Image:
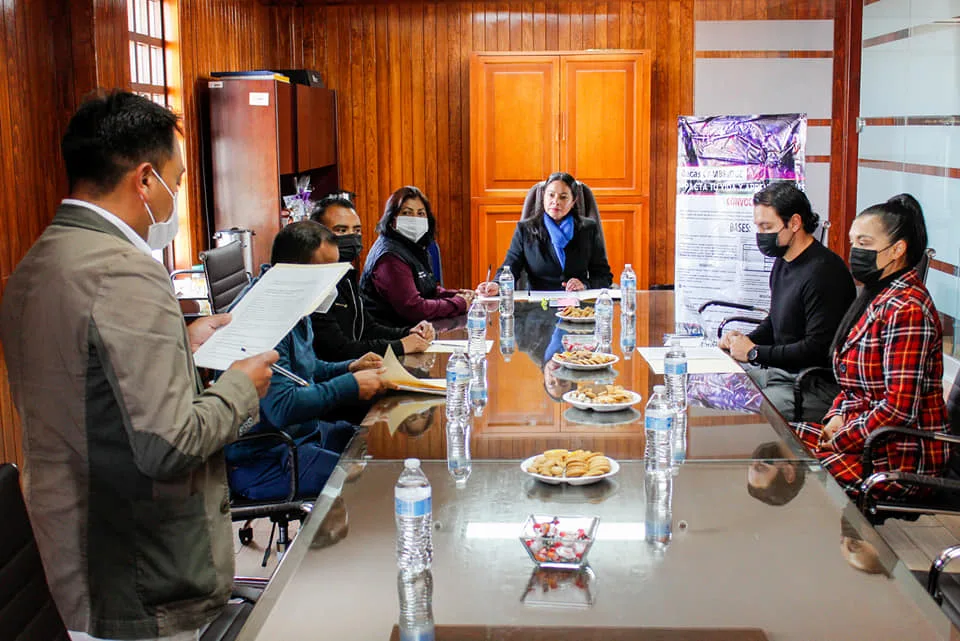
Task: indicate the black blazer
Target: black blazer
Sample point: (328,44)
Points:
(586,257)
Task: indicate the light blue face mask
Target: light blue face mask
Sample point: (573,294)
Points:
(159,235)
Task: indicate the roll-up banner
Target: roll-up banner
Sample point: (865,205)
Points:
(722,162)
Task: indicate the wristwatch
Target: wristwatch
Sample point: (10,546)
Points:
(752,355)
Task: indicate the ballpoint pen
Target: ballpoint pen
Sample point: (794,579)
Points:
(285,372)
(489,267)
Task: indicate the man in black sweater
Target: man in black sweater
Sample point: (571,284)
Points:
(810,290)
(346,330)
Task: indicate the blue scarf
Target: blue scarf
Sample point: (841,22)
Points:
(560,235)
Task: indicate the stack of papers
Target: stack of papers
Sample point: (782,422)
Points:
(267,313)
(586,294)
(449,346)
(398,376)
(700,360)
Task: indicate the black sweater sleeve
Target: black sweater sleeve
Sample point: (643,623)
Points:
(330,343)
(826,294)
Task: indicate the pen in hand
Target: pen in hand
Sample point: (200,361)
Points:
(285,372)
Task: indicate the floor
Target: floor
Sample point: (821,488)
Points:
(250,557)
(917,543)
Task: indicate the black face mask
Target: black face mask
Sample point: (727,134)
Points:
(350,246)
(863,264)
(768,244)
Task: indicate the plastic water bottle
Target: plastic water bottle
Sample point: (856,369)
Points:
(458,387)
(675,375)
(506,292)
(416,606)
(477,330)
(679,438)
(413,510)
(628,291)
(658,519)
(459,462)
(603,312)
(478,385)
(628,335)
(658,426)
(508,342)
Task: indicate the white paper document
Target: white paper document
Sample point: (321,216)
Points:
(449,346)
(272,307)
(398,375)
(586,294)
(700,360)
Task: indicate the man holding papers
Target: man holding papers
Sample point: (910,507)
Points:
(124,477)
(261,471)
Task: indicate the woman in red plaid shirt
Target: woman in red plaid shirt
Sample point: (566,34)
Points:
(887,354)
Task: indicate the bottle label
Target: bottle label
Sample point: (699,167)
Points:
(413,508)
(476,324)
(507,287)
(677,368)
(454,377)
(658,423)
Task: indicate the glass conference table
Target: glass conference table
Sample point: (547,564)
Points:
(698,556)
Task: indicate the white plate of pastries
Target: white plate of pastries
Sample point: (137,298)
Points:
(573,467)
(601,398)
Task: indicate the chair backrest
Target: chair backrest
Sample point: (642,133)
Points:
(25,601)
(821,232)
(436,266)
(923,267)
(585,205)
(226,274)
(953,406)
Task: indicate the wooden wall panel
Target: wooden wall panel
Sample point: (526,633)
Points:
(764,9)
(402,71)
(220,35)
(52,52)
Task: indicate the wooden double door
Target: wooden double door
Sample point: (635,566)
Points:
(584,113)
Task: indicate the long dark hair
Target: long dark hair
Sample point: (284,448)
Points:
(535,225)
(901,218)
(787,199)
(392,209)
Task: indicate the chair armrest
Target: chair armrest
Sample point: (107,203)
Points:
(903,478)
(882,434)
(735,319)
(936,569)
(804,375)
(287,440)
(731,305)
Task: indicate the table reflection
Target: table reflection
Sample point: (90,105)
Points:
(520,409)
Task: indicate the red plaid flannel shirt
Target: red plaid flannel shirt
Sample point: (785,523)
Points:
(890,371)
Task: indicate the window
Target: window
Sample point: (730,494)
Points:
(148,73)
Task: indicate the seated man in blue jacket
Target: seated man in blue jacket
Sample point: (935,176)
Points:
(260,469)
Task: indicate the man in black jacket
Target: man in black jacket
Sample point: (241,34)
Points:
(346,330)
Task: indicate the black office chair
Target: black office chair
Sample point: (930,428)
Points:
(280,511)
(27,610)
(944,491)
(944,588)
(226,274)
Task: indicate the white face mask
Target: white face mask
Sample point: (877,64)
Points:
(159,235)
(412,227)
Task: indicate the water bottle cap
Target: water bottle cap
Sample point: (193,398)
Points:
(411,463)
(659,389)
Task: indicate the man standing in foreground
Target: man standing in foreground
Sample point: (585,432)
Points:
(124,474)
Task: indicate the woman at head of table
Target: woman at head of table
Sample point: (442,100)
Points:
(557,248)
(397,283)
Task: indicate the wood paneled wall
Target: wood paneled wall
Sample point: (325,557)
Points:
(401,70)
(764,9)
(52,52)
(216,35)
